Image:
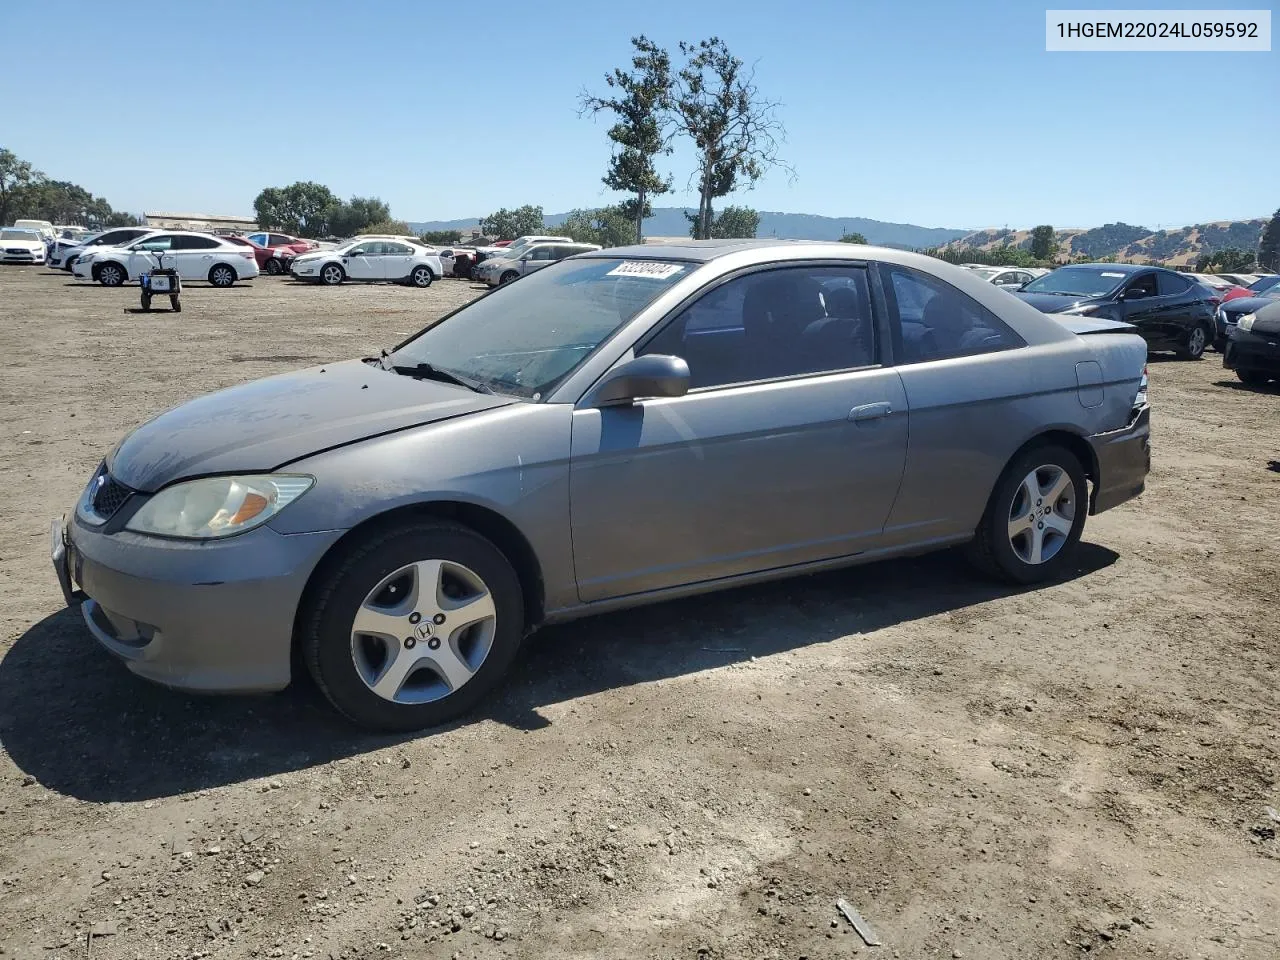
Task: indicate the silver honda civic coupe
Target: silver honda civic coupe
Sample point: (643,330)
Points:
(623,427)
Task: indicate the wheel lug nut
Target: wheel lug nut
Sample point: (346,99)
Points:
(415,617)
(410,643)
(438,619)
(434,643)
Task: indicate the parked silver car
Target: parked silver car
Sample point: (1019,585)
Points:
(537,255)
(623,427)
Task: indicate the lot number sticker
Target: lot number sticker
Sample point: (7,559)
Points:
(645,268)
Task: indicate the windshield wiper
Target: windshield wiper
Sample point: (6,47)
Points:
(425,371)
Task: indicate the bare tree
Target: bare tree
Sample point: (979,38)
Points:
(641,100)
(735,132)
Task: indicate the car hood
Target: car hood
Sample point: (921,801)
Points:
(1053,302)
(23,244)
(1244,305)
(264,424)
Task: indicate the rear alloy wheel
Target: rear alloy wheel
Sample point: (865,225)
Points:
(414,626)
(222,276)
(1034,518)
(274,267)
(111,275)
(1197,340)
(332,274)
(421,277)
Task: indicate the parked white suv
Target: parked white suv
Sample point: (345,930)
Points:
(196,256)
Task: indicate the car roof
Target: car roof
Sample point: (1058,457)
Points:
(704,251)
(1121,267)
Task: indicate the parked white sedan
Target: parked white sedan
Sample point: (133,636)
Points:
(196,256)
(21,246)
(371,260)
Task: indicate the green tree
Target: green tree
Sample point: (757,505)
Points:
(735,223)
(735,133)
(441,237)
(356,215)
(508,224)
(1269,247)
(641,101)
(1043,243)
(301,208)
(853,238)
(607,226)
(15,177)
(121,219)
(394,228)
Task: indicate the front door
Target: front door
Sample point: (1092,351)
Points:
(364,261)
(145,255)
(1143,308)
(788,449)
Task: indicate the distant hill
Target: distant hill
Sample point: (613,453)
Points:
(671,222)
(1131,244)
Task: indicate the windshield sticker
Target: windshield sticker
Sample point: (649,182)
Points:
(1115,275)
(650,269)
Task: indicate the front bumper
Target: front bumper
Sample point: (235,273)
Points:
(214,617)
(1124,460)
(82,270)
(24,256)
(1249,350)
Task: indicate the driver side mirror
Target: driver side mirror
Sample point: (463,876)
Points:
(653,375)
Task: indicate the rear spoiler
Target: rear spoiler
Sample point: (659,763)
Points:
(1087,325)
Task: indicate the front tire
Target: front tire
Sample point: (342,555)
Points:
(412,627)
(421,277)
(332,274)
(274,267)
(1253,378)
(1034,518)
(222,275)
(1193,348)
(508,277)
(111,275)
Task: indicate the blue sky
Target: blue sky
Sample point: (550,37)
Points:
(922,111)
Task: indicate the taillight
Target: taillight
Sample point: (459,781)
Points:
(1140,399)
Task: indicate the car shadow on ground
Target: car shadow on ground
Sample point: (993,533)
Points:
(1270,387)
(79,723)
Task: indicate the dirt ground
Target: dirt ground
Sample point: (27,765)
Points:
(1083,769)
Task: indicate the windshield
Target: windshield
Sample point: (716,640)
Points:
(1264,283)
(19,235)
(1078,282)
(524,338)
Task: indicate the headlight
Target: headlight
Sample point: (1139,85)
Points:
(218,506)
(1246,322)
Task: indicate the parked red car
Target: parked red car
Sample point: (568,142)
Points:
(265,239)
(272,260)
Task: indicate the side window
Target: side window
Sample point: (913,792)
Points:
(1170,283)
(935,321)
(160,242)
(278,239)
(398,249)
(194,243)
(1141,287)
(774,323)
(260,239)
(543,252)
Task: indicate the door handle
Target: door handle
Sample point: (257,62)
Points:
(870,411)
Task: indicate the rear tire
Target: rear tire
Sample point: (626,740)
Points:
(1253,378)
(1193,348)
(222,275)
(146,302)
(421,277)
(378,576)
(1034,518)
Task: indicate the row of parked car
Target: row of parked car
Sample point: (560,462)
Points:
(1180,312)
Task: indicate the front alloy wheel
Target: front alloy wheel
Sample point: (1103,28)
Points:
(412,626)
(332,274)
(110,275)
